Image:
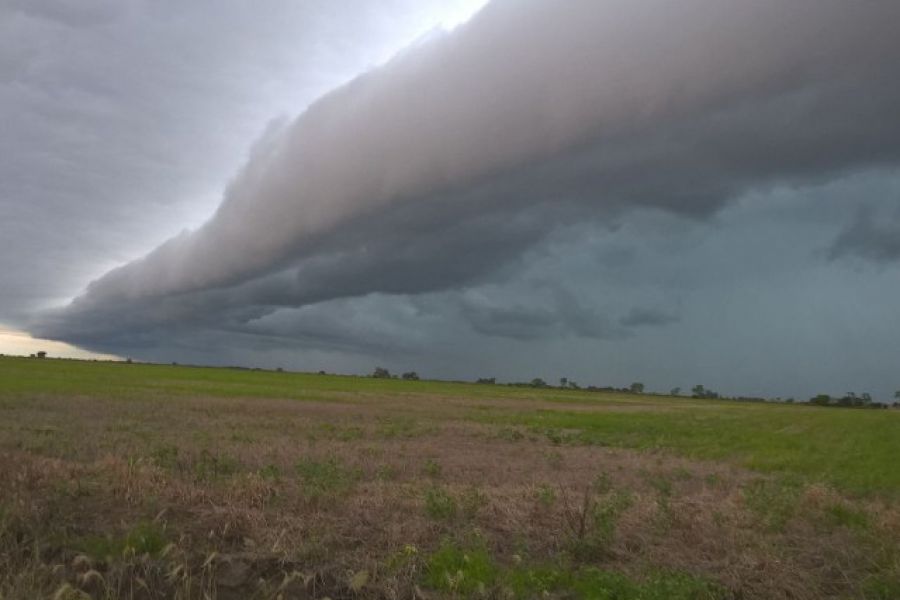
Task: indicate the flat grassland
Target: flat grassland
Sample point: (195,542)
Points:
(149,481)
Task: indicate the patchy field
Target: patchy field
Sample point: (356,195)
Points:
(140,481)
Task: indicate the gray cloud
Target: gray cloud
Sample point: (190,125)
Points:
(535,313)
(609,191)
(121,119)
(647,317)
(445,165)
(871,236)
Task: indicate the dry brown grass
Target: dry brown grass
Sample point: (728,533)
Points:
(219,479)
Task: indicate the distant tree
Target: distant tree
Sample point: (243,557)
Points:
(41,354)
(563,382)
(675,391)
(411,376)
(698,391)
(487,380)
(381,373)
(821,400)
(636,388)
(538,383)
(897,394)
(574,385)
(866,398)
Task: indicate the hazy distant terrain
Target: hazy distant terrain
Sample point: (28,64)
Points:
(144,481)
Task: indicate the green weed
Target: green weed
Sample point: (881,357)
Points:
(439,505)
(145,538)
(386,473)
(470,572)
(270,472)
(432,468)
(328,478)
(545,495)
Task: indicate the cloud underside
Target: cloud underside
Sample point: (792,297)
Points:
(871,236)
(440,171)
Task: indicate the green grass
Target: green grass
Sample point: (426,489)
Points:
(597,584)
(471,572)
(105,379)
(325,479)
(855,450)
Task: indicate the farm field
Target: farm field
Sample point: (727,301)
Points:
(149,481)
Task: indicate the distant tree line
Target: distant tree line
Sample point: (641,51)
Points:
(851,400)
(382,373)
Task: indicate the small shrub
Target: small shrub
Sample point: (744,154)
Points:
(592,525)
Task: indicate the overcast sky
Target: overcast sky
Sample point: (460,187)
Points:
(612,191)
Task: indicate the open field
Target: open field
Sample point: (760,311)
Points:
(145,481)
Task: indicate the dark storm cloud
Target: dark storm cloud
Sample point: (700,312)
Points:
(871,236)
(538,313)
(442,167)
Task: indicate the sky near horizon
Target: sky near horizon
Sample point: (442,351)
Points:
(674,193)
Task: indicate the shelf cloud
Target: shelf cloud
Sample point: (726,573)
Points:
(443,167)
